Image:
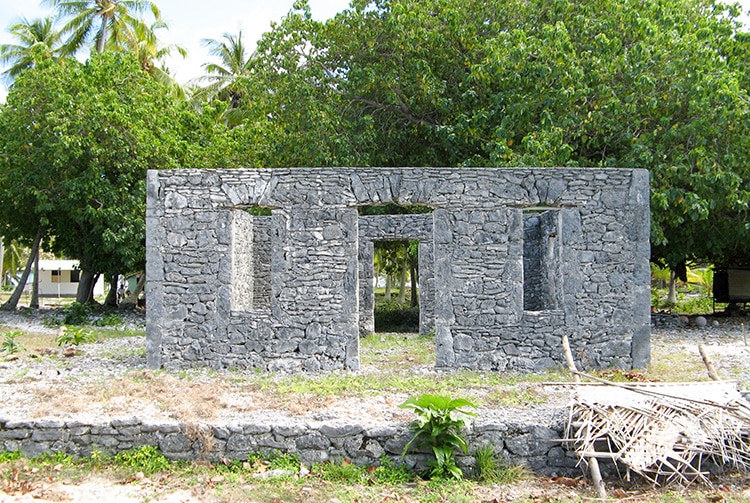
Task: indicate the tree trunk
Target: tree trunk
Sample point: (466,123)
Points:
(101,39)
(414,293)
(132,299)
(112,298)
(85,292)
(2,262)
(672,295)
(34,304)
(387,287)
(12,303)
(402,287)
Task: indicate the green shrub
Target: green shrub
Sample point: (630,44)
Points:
(147,459)
(9,344)
(394,317)
(390,473)
(345,472)
(9,456)
(74,336)
(438,426)
(56,458)
(284,461)
(77,314)
(109,320)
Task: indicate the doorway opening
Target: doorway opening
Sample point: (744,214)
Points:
(396,286)
(397,344)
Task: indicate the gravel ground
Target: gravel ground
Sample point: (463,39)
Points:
(109,378)
(727,344)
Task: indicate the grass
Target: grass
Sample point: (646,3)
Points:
(677,367)
(234,480)
(32,341)
(492,470)
(396,350)
(144,474)
(486,388)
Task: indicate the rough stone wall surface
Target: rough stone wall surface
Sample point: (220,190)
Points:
(535,444)
(262,262)
(591,256)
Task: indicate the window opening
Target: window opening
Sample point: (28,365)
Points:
(251,258)
(541,259)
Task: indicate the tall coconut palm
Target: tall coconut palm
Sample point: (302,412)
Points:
(110,23)
(151,54)
(12,257)
(226,80)
(36,40)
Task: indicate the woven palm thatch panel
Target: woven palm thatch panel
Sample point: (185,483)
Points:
(662,431)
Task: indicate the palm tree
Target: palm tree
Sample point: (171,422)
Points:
(226,80)
(151,53)
(12,257)
(37,40)
(111,23)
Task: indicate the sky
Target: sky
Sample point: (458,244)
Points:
(190,21)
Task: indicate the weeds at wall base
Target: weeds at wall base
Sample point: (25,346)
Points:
(237,481)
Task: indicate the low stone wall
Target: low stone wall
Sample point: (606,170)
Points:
(535,443)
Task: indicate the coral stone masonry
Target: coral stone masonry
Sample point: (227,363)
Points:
(510,260)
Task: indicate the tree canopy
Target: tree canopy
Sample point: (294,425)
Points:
(632,84)
(108,23)
(77,141)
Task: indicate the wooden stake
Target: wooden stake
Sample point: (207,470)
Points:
(596,474)
(709,366)
(569,359)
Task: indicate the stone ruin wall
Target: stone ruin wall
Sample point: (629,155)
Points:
(510,260)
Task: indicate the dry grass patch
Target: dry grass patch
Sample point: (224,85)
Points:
(138,391)
(677,364)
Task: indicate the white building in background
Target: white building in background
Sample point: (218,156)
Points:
(60,278)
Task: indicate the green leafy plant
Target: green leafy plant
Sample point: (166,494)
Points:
(345,471)
(109,320)
(284,461)
(56,458)
(390,473)
(74,336)
(147,459)
(77,314)
(438,427)
(9,344)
